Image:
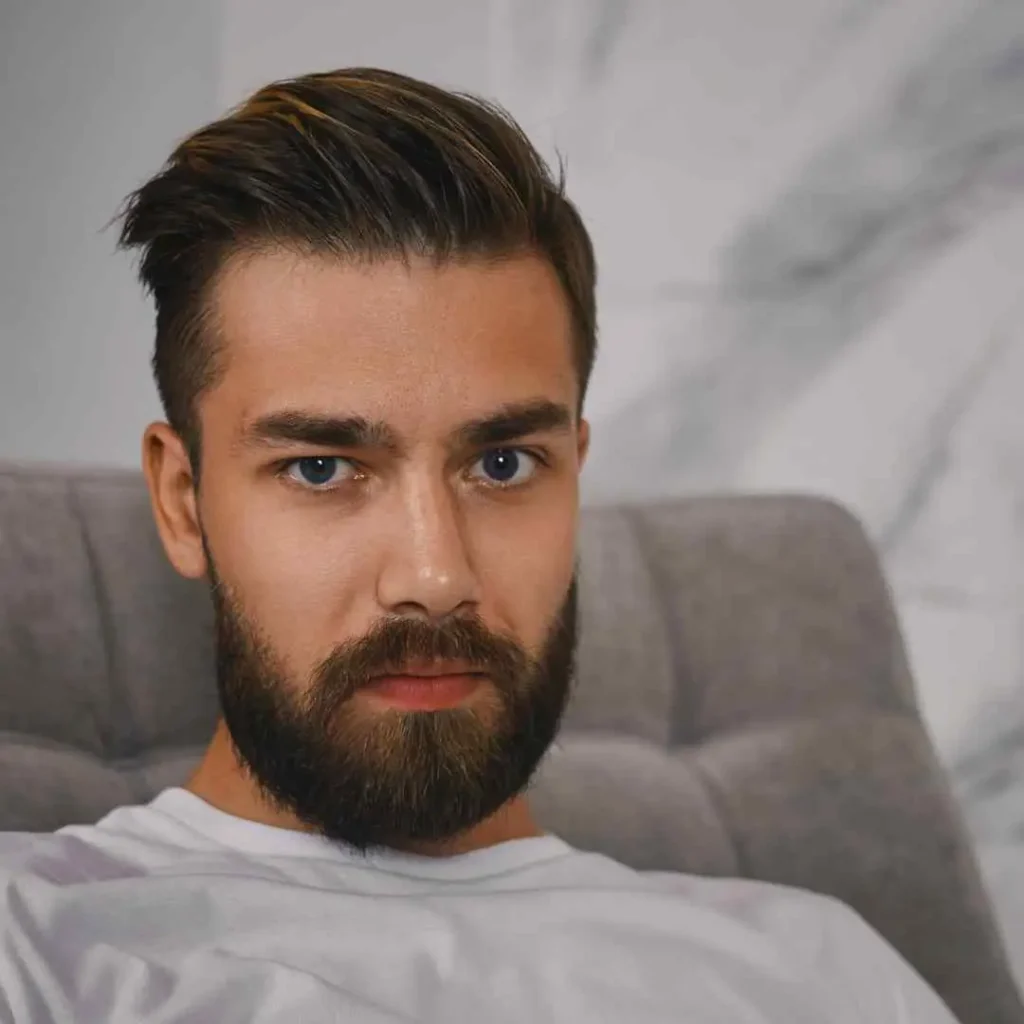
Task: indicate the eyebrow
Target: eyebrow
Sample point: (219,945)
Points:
(513,421)
(295,426)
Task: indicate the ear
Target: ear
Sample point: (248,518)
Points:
(172,495)
(582,442)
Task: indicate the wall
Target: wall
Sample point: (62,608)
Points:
(93,97)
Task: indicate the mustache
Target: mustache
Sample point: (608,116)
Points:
(394,642)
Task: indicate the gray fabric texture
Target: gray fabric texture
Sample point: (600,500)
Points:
(743,703)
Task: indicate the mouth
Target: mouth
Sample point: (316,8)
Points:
(424,688)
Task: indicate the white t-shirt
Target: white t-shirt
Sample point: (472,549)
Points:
(176,911)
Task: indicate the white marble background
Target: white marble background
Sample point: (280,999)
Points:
(809,217)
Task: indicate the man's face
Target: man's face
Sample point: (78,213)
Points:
(389,489)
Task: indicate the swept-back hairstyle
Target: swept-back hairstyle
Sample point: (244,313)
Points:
(360,163)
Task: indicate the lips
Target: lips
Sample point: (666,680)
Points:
(439,689)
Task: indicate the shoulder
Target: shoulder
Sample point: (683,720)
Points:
(871,971)
(16,848)
(827,939)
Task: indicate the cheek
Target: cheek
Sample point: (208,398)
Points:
(525,569)
(295,575)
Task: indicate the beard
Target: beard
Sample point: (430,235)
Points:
(392,778)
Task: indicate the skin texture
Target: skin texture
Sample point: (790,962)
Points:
(411,528)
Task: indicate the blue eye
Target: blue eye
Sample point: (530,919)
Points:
(317,472)
(507,467)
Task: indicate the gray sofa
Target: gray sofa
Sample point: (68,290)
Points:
(744,705)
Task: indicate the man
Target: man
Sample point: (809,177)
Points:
(375,326)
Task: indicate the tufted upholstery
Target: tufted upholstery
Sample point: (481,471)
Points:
(743,706)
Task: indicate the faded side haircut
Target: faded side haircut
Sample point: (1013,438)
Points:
(359,163)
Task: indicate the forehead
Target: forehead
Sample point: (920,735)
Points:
(392,337)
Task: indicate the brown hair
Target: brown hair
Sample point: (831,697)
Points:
(357,162)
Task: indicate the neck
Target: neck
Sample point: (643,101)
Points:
(223,782)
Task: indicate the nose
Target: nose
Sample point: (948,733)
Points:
(428,569)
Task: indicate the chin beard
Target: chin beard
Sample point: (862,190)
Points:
(392,778)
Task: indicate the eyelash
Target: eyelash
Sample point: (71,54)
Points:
(281,469)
